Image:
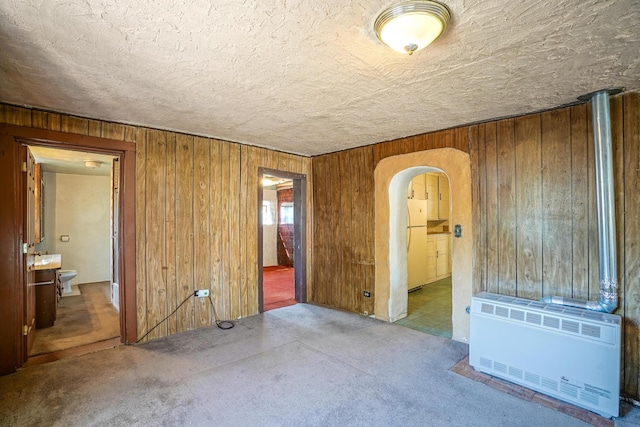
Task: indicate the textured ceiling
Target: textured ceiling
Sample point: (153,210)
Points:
(308,77)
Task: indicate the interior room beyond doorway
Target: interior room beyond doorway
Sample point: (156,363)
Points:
(278,255)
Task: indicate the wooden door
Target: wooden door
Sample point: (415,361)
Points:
(29,172)
(115,232)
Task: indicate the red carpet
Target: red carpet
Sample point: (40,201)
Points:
(277,284)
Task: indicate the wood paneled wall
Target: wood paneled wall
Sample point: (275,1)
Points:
(535,226)
(196,218)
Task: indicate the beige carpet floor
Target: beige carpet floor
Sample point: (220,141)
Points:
(82,319)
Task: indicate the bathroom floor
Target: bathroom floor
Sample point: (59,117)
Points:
(82,319)
(429,309)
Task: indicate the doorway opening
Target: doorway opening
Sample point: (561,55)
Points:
(77,225)
(428,254)
(392,177)
(281,239)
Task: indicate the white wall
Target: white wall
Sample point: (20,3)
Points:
(81,210)
(270,232)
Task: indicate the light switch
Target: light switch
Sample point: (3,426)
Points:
(65,238)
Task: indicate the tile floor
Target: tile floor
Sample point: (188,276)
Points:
(429,309)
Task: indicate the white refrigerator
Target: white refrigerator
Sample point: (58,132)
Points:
(416,243)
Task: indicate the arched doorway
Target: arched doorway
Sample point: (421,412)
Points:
(392,176)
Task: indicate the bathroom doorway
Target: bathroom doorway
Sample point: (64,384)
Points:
(281,237)
(78,223)
(18,252)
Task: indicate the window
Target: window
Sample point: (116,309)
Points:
(286,213)
(267,213)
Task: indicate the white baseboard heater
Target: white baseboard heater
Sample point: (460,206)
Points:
(568,353)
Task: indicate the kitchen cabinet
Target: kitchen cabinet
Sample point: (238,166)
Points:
(436,263)
(416,188)
(431,184)
(443,197)
(48,291)
(430,262)
(443,263)
(437,195)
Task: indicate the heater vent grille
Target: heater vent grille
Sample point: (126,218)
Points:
(534,318)
(570,326)
(517,314)
(550,384)
(590,330)
(551,322)
(502,311)
(487,308)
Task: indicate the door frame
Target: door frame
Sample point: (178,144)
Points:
(391,178)
(299,233)
(11,259)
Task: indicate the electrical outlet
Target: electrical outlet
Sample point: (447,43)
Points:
(367,294)
(202,293)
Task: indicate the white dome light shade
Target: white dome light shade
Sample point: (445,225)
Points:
(411,25)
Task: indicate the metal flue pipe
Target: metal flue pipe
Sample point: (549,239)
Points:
(607,260)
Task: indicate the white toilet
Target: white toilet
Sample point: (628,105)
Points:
(65,279)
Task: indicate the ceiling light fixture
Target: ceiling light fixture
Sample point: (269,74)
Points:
(92,164)
(409,26)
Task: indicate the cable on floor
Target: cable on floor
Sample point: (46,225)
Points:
(222,324)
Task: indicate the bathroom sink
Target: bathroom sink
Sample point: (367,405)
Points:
(45,262)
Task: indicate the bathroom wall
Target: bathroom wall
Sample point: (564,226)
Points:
(81,211)
(269,232)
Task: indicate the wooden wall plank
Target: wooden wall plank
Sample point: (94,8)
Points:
(528,193)
(491,159)
(369,228)
(334,221)
(557,218)
(226,233)
(73,124)
(252,210)
(478,197)
(95,128)
(170,233)
(356,172)
(39,119)
(344,193)
(185,231)
(244,229)
(234,216)
(113,131)
(580,202)
(129,133)
(141,270)
(17,115)
(215,213)
(54,120)
(631,236)
(319,225)
(617,142)
(154,231)
(508,222)
(202,227)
